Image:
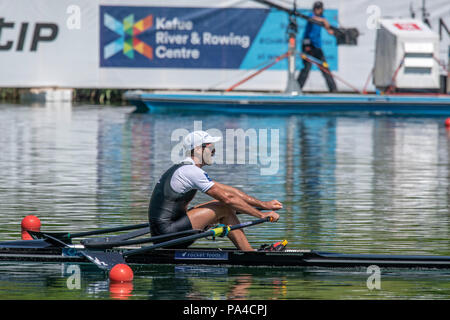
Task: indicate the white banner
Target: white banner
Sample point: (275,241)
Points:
(183,44)
(47,43)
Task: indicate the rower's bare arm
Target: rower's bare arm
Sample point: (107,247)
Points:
(229,197)
(268,205)
(226,195)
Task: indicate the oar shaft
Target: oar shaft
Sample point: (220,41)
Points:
(105,244)
(193,237)
(101,231)
(109,230)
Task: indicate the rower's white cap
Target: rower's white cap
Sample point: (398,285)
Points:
(197,138)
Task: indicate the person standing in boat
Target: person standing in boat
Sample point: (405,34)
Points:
(168,209)
(312,46)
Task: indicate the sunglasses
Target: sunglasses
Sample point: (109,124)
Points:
(206,145)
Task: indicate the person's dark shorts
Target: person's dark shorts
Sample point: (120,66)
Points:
(160,227)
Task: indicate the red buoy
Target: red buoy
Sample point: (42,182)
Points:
(31,223)
(121,273)
(447,122)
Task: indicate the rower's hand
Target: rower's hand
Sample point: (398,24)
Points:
(275,216)
(273,205)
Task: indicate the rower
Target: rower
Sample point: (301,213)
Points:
(177,187)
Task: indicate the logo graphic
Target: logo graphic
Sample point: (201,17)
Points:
(201,255)
(128,42)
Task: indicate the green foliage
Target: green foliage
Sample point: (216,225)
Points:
(101,96)
(10,94)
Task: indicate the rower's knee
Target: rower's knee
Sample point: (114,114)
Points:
(227,208)
(223,210)
(229,216)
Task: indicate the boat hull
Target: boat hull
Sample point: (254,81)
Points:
(203,256)
(288,104)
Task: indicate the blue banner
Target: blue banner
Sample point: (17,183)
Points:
(272,41)
(209,38)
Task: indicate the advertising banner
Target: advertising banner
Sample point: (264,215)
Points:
(155,37)
(203,38)
(179,44)
(45,43)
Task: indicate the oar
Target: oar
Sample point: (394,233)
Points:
(119,241)
(103,260)
(107,260)
(218,231)
(117,238)
(66,236)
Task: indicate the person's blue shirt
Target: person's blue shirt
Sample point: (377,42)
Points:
(312,32)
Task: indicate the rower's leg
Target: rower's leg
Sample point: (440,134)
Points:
(214,212)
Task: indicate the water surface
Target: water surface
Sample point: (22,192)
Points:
(357,183)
